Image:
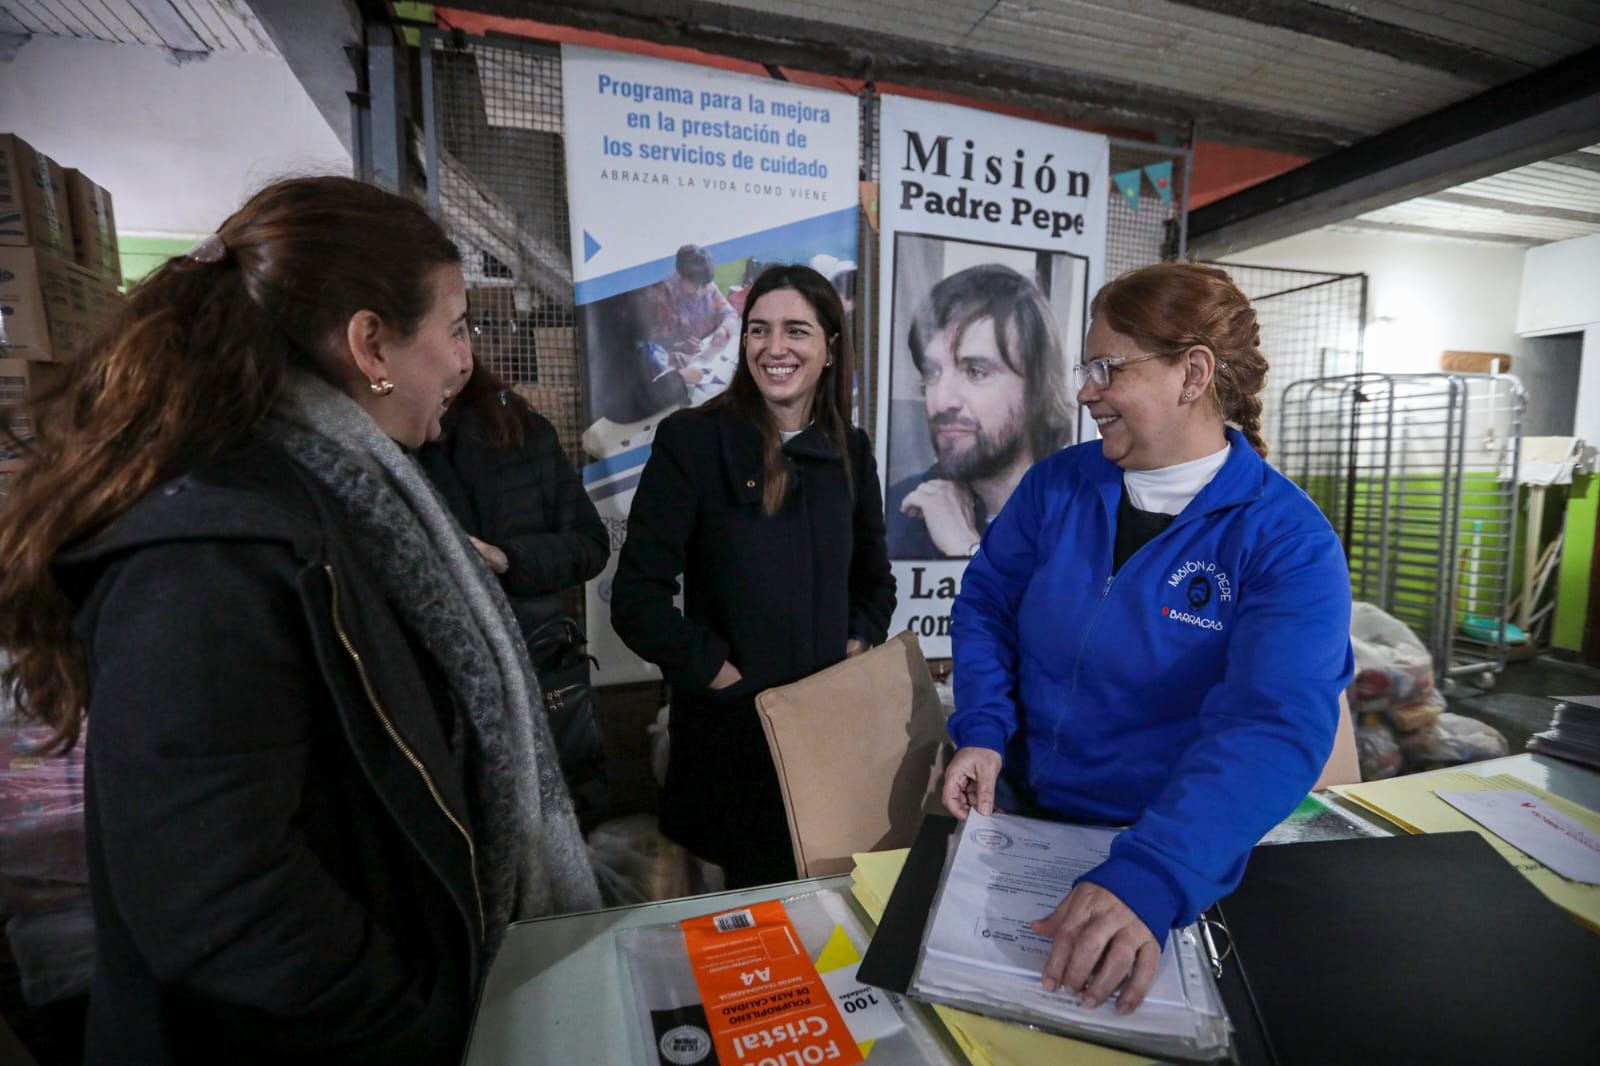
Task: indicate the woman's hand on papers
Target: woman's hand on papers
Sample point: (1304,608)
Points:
(1099,944)
(969,781)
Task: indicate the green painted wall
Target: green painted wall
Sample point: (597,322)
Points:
(417,12)
(1572,593)
(141,255)
(1415,577)
(1415,546)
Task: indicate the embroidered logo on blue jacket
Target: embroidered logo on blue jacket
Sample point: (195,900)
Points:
(1201,582)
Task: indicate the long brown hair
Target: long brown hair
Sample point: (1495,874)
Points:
(190,365)
(830,409)
(1171,307)
(498,408)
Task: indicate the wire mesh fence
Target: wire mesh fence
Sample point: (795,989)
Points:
(1418,475)
(492,147)
(1311,326)
(1148,228)
(498,178)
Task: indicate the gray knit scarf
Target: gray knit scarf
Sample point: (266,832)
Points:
(531,857)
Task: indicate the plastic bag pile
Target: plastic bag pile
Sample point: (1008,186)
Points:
(44,877)
(1401,722)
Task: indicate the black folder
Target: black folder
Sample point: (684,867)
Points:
(1406,950)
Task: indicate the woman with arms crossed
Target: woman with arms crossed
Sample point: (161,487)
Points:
(1155,631)
(767,501)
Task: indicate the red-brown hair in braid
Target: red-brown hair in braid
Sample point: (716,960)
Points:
(1171,307)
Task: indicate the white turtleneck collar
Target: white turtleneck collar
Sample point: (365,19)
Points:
(1169,489)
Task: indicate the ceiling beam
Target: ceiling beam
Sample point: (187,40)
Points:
(1551,111)
(863,55)
(313,39)
(173,29)
(1581,160)
(1438,231)
(13,35)
(1370,35)
(1512,207)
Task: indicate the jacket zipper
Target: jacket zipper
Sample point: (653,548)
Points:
(405,749)
(1077,661)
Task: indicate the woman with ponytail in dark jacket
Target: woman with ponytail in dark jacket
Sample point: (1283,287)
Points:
(317,783)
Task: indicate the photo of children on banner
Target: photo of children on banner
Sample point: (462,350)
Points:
(686,318)
(841,273)
(673,343)
(979,390)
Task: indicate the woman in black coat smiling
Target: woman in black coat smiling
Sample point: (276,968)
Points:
(767,502)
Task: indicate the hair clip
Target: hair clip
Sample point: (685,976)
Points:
(209,250)
(1223,363)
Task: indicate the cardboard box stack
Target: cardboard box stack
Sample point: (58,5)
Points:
(33,199)
(59,272)
(94,227)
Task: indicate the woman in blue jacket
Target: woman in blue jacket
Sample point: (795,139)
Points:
(1155,631)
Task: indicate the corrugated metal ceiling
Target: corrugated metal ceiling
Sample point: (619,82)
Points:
(1550,201)
(186,26)
(1531,32)
(1342,71)
(1309,76)
(1199,48)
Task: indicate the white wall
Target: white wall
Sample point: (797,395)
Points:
(179,147)
(1561,294)
(1587,422)
(1425,295)
(1561,287)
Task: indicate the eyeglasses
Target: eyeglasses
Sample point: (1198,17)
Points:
(1099,370)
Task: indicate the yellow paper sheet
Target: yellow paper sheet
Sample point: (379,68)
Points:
(1410,802)
(984,1041)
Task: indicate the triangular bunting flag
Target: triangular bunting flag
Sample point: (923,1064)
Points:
(1128,183)
(1160,175)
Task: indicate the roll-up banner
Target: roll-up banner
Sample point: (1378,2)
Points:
(993,241)
(683,183)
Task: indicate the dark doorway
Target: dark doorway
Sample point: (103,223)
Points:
(1548,369)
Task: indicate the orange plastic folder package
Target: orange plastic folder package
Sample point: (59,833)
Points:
(769,984)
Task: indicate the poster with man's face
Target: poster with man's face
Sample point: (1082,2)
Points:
(993,234)
(980,388)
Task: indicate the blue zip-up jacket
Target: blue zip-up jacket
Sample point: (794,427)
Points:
(1193,696)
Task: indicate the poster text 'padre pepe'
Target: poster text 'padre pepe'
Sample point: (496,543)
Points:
(988,181)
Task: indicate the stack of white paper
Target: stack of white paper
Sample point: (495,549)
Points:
(980,953)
